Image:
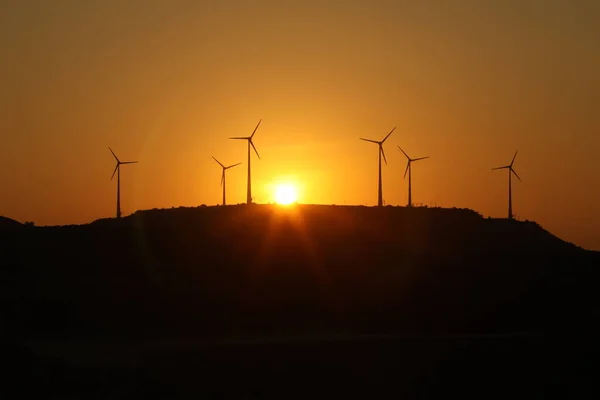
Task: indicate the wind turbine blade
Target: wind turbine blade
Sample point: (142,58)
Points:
(114,155)
(240,138)
(501,167)
(218,161)
(115,171)
(406,170)
(403,152)
(256,151)
(515,156)
(222,177)
(388,135)
(513,171)
(369,140)
(254,131)
(231,166)
(129,162)
(420,158)
(383,153)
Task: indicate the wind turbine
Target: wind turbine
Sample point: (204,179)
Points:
(118,172)
(250,143)
(409,170)
(510,172)
(381,152)
(223,176)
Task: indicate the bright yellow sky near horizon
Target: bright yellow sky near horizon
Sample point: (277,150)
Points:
(167,82)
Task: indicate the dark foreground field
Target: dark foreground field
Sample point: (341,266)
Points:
(250,301)
(520,366)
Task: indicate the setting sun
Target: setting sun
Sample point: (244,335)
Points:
(285,194)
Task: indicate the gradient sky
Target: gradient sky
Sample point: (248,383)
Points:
(166,82)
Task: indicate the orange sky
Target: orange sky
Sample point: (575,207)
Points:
(166,82)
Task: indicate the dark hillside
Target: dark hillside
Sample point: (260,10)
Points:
(257,270)
(7,223)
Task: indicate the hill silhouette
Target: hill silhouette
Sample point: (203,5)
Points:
(282,285)
(7,223)
(288,302)
(258,269)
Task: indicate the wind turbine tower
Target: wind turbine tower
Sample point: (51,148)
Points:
(511,171)
(409,170)
(223,176)
(118,172)
(381,153)
(250,143)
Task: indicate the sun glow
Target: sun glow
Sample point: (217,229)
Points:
(285,193)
